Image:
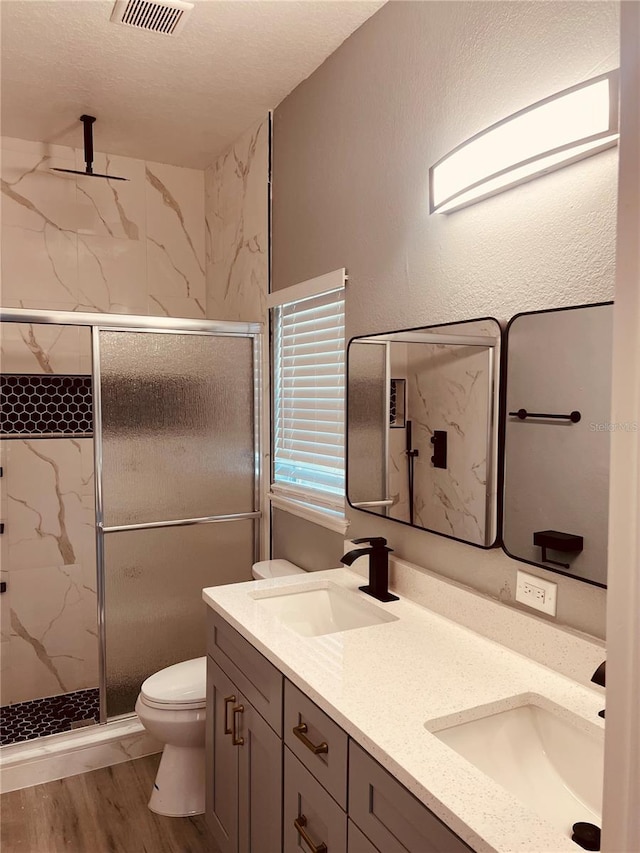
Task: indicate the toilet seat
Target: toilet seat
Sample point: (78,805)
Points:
(173,706)
(182,686)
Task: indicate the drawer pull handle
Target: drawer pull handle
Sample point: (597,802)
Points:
(237,741)
(301,733)
(228,700)
(300,822)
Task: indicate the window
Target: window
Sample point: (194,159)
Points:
(309,393)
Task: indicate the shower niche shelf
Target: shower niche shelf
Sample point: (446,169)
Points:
(46,406)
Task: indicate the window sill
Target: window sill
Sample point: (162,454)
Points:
(321,516)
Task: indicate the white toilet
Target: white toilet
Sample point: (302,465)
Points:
(172,707)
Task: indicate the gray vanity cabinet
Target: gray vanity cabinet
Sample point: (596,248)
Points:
(316,792)
(244,748)
(244,771)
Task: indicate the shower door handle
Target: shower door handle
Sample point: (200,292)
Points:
(229,700)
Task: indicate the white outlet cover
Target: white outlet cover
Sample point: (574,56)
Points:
(549,605)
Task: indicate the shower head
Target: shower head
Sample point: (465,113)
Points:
(88,121)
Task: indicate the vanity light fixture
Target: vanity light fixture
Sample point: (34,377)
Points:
(562,129)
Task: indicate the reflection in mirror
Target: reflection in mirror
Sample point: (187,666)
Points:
(422,427)
(558,403)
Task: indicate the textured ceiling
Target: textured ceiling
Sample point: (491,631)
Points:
(182,99)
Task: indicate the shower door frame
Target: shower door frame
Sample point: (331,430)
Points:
(158,325)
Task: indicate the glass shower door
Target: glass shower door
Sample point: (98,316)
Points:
(178,493)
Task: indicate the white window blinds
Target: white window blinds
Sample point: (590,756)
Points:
(309,383)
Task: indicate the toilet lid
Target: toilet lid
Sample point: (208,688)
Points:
(180,684)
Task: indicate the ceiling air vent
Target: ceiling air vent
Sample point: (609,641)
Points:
(159,16)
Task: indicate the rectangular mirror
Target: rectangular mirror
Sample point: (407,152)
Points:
(556,448)
(422,428)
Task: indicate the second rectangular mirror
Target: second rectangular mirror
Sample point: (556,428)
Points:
(422,429)
(557,439)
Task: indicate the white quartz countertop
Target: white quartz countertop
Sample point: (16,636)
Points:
(383,683)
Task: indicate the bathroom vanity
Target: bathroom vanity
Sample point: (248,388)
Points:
(334,738)
(278,764)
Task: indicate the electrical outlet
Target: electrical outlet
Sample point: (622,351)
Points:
(537,593)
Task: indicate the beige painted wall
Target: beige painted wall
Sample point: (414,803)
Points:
(352,148)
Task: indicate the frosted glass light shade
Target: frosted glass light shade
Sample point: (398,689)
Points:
(548,135)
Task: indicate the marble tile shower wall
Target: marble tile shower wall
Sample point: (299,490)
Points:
(48,629)
(156,244)
(75,244)
(236,211)
(83,244)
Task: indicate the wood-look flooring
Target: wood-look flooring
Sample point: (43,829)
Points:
(104,811)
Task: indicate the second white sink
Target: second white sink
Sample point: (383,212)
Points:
(541,756)
(321,607)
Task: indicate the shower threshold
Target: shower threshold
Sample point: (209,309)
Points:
(57,756)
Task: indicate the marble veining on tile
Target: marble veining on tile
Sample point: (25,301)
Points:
(39,243)
(44,348)
(175,240)
(236,193)
(112,208)
(49,639)
(74,243)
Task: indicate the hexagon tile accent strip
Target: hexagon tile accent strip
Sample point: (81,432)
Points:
(48,716)
(35,404)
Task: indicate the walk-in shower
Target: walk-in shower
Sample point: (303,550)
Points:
(131,469)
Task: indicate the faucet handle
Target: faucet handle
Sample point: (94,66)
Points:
(374,541)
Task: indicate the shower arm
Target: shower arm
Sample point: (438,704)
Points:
(88,121)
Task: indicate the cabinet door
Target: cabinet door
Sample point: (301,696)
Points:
(357,842)
(312,819)
(259,783)
(389,815)
(222,760)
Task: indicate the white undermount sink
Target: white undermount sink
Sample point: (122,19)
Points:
(321,607)
(538,754)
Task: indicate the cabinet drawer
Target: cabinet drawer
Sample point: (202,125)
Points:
(308,807)
(357,842)
(253,675)
(328,766)
(391,817)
